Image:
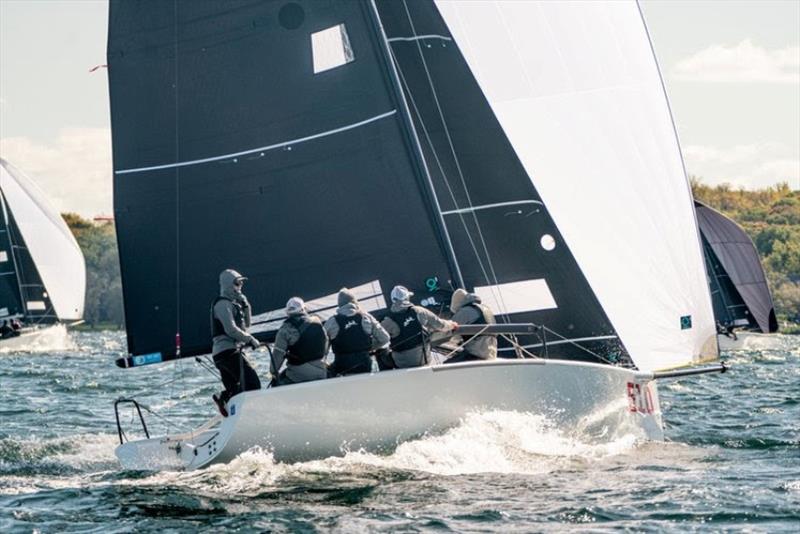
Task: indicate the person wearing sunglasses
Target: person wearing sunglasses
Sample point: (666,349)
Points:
(230,319)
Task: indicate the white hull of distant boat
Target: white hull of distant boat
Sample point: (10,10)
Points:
(35,338)
(376,412)
(748,341)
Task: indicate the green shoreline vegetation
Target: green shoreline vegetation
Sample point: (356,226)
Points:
(770,216)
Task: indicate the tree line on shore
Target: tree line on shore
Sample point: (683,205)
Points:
(770,216)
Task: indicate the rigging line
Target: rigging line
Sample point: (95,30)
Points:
(453,151)
(571,342)
(179,367)
(441,168)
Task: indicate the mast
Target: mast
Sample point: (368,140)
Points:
(413,138)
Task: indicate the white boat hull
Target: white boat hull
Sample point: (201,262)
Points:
(376,412)
(36,339)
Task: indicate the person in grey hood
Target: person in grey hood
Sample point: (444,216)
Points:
(468,309)
(409,327)
(303,343)
(230,319)
(354,333)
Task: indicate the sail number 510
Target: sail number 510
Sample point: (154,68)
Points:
(639,398)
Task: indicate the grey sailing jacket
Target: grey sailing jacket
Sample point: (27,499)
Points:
(286,336)
(234,336)
(370,325)
(484,347)
(429,321)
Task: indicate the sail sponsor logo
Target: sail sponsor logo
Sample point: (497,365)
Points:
(145,359)
(640,398)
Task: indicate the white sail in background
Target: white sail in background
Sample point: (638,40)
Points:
(577,90)
(52,247)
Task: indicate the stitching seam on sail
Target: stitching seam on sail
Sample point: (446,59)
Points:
(495,205)
(260,149)
(453,152)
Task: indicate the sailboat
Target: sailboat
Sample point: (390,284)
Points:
(42,272)
(740,294)
(524,151)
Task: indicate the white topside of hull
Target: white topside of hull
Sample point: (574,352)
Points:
(376,412)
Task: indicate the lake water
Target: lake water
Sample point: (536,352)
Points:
(731,462)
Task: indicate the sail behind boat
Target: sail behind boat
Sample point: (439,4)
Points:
(739,286)
(45,274)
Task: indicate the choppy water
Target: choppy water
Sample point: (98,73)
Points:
(732,461)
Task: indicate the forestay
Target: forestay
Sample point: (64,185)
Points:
(577,91)
(48,262)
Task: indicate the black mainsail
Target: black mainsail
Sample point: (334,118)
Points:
(308,145)
(739,290)
(11,303)
(247,158)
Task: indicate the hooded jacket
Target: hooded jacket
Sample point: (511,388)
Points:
(225,309)
(348,307)
(467,309)
(287,336)
(429,322)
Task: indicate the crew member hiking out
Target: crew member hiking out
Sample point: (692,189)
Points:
(230,319)
(353,334)
(409,327)
(467,309)
(303,343)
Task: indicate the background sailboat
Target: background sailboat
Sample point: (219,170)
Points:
(486,145)
(739,290)
(42,271)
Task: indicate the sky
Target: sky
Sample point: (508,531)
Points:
(732,71)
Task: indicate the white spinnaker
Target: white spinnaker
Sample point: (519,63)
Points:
(54,250)
(577,91)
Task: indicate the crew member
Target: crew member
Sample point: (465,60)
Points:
(6,331)
(303,343)
(230,319)
(353,334)
(409,327)
(468,309)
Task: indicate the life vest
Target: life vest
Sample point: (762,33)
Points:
(238,317)
(312,345)
(481,319)
(351,338)
(411,333)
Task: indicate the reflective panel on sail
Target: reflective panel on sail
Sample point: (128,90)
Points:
(738,284)
(576,89)
(231,149)
(50,265)
(507,245)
